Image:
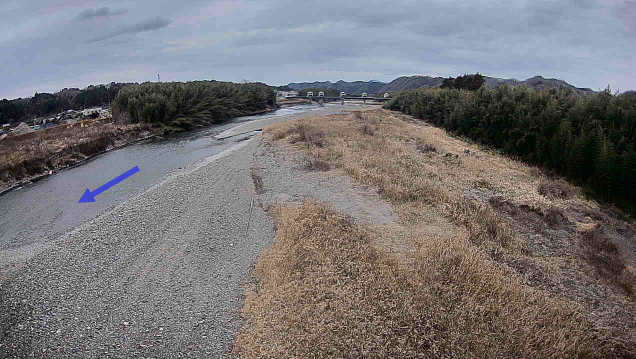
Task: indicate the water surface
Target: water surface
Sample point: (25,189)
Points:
(47,208)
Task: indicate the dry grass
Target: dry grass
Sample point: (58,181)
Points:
(316,164)
(425,147)
(554,215)
(605,256)
(507,281)
(29,155)
(325,292)
(303,132)
(555,189)
(257,179)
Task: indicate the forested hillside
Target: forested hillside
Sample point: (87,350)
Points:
(411,83)
(589,139)
(43,104)
(404,83)
(181,105)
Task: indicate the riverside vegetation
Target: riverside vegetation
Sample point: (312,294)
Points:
(491,257)
(138,111)
(33,154)
(182,106)
(589,139)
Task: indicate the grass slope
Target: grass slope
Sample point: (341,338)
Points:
(528,268)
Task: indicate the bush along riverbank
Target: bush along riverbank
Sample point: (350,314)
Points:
(178,106)
(591,140)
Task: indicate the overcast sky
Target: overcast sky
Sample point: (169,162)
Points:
(46,45)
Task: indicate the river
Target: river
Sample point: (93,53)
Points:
(34,215)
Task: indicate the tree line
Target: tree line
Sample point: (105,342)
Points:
(44,104)
(182,106)
(591,140)
(467,82)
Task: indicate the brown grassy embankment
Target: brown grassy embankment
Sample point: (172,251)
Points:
(29,155)
(530,268)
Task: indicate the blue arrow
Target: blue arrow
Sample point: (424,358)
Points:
(89,196)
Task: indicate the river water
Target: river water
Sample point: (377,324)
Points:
(37,213)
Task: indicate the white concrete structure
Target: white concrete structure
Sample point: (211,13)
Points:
(386,95)
(364,94)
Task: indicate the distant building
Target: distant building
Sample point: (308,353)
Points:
(386,95)
(291,94)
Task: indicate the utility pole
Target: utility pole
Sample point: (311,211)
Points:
(158,78)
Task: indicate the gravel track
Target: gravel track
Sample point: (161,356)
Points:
(158,276)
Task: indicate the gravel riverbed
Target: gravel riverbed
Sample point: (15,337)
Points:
(159,276)
(162,274)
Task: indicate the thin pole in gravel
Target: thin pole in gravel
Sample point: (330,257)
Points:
(249,217)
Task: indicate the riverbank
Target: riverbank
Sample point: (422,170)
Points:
(32,156)
(390,238)
(159,275)
(482,256)
(282,102)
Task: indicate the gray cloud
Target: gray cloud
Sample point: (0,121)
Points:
(101,12)
(626,11)
(589,43)
(147,25)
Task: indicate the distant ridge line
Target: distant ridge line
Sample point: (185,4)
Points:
(421,81)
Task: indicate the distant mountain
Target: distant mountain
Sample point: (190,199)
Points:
(415,82)
(495,81)
(537,83)
(352,88)
(412,82)
(540,83)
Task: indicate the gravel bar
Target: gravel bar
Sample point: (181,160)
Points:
(159,276)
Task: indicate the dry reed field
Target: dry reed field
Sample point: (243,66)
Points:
(32,154)
(494,258)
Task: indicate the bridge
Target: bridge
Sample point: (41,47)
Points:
(320,99)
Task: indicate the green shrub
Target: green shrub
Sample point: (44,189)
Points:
(590,140)
(191,104)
